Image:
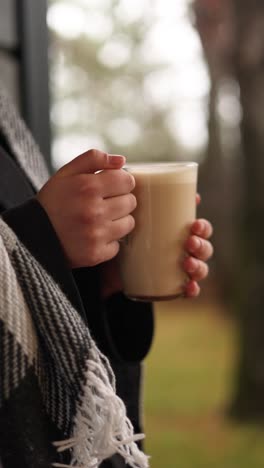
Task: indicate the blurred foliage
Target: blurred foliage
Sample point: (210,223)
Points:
(232,35)
(111,98)
(188,381)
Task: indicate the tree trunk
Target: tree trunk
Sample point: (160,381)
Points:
(220,171)
(248,402)
(211,179)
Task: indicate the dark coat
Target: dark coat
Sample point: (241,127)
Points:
(122,329)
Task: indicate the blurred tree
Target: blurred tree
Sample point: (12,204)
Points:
(232,34)
(248,402)
(220,171)
(108,84)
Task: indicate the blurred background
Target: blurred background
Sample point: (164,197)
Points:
(183,80)
(169,80)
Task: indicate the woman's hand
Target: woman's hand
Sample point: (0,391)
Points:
(89,203)
(199,250)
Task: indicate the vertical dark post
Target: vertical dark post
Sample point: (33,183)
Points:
(33,38)
(9,50)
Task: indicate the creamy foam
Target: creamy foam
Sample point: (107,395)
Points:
(173,173)
(151,256)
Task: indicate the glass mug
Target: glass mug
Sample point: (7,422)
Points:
(151,256)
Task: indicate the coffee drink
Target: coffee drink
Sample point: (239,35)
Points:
(151,256)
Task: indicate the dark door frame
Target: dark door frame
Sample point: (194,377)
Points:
(33,46)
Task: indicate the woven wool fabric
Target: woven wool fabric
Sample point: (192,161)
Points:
(25,149)
(43,336)
(75,380)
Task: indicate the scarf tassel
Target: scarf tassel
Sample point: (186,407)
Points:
(101,427)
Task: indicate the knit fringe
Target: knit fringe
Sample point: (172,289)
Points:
(101,427)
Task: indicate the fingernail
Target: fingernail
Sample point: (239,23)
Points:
(198,243)
(116,159)
(191,268)
(199,229)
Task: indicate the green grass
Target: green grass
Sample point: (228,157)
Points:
(188,383)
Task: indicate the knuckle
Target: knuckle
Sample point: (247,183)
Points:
(93,215)
(197,290)
(127,179)
(94,236)
(100,155)
(115,247)
(94,242)
(88,185)
(200,247)
(131,181)
(100,214)
(93,152)
(83,218)
(123,227)
(202,271)
(205,271)
(210,250)
(120,177)
(115,175)
(208,228)
(206,250)
(97,213)
(133,201)
(92,189)
(130,222)
(95,256)
(81,183)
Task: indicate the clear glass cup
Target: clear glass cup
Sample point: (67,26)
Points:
(151,256)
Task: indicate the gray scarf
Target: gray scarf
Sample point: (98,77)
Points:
(40,331)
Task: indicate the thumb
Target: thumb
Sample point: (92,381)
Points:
(90,162)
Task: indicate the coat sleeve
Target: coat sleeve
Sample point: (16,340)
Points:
(122,328)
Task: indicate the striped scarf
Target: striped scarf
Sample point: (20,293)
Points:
(41,332)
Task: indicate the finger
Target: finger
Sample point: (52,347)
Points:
(111,250)
(88,257)
(196,269)
(199,248)
(116,183)
(202,228)
(198,199)
(192,289)
(121,227)
(90,162)
(118,207)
